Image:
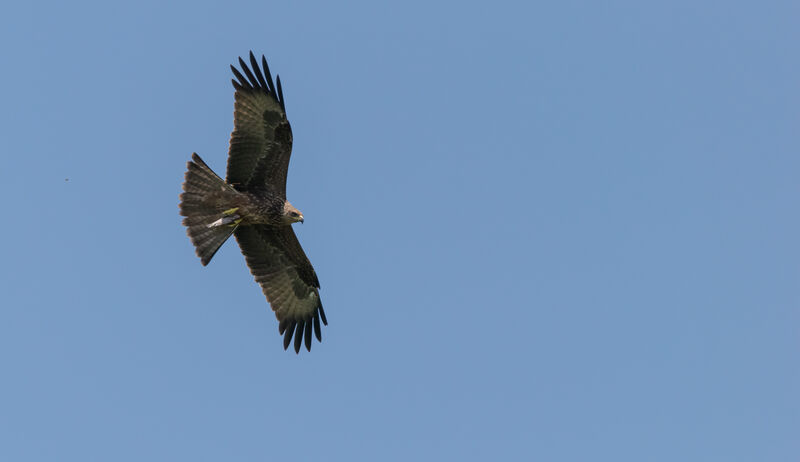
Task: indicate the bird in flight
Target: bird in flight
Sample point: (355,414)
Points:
(251,204)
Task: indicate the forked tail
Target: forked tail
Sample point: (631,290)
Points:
(207,202)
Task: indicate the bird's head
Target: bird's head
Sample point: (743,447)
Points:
(291,214)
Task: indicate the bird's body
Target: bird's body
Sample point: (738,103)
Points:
(251,204)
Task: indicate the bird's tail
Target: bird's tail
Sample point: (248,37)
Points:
(207,203)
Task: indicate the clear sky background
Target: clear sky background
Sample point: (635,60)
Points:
(562,232)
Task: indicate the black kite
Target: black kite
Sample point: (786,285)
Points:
(251,204)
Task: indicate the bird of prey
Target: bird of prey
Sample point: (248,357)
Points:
(251,204)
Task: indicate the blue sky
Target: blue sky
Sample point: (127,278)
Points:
(559,231)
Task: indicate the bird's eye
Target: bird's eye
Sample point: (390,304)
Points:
(294,214)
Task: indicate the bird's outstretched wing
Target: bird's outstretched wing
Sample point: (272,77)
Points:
(261,142)
(287,278)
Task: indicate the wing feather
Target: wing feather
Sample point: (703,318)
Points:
(286,277)
(307,335)
(250,77)
(269,78)
(298,336)
(287,339)
(261,141)
(317,328)
(257,70)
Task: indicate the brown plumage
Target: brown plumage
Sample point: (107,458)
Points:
(251,204)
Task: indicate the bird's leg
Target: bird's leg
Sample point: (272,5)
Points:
(229,218)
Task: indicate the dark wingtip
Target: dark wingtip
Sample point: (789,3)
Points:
(287,338)
(250,78)
(256,79)
(322,314)
(298,336)
(242,80)
(267,73)
(280,92)
(257,71)
(317,328)
(307,335)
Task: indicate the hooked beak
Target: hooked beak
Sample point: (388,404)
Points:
(301,219)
